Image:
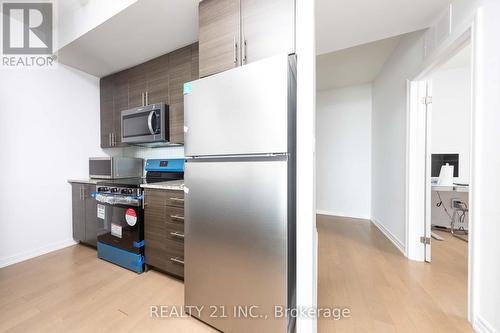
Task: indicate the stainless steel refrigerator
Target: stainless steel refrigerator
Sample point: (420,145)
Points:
(240,196)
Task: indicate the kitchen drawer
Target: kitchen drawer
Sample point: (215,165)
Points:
(163,215)
(174,253)
(174,227)
(175,265)
(175,215)
(174,198)
(174,233)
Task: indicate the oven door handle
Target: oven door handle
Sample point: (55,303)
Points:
(110,199)
(150,122)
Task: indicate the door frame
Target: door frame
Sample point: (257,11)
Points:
(416,190)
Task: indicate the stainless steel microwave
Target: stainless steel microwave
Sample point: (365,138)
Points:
(115,167)
(145,124)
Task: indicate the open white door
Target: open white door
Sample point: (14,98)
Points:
(427,102)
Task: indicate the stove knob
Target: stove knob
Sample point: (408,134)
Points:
(114,190)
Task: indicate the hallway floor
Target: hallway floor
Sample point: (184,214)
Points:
(359,268)
(70,290)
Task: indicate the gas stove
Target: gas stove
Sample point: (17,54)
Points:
(120,205)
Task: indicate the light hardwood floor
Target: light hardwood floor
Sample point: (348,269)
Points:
(72,291)
(359,268)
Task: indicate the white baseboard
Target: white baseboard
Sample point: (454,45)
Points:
(35,252)
(394,240)
(341,214)
(482,326)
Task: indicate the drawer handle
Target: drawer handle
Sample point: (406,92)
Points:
(177,260)
(177,217)
(177,234)
(177,199)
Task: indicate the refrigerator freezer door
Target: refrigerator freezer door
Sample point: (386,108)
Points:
(235,243)
(240,111)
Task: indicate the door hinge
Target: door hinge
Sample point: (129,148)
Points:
(427,100)
(425,240)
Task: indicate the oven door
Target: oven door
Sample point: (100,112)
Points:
(123,222)
(145,124)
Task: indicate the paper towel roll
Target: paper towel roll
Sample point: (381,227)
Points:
(446,175)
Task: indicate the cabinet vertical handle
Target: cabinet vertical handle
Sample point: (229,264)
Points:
(142,99)
(147,98)
(235,50)
(244,50)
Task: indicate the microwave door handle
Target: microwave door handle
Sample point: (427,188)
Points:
(150,122)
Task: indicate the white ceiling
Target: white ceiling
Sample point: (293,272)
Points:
(142,31)
(356,65)
(77,17)
(345,23)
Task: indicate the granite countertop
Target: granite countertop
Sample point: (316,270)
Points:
(84,181)
(175,185)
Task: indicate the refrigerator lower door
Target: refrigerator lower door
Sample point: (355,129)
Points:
(236,243)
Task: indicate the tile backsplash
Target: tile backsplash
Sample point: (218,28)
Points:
(146,153)
(164,152)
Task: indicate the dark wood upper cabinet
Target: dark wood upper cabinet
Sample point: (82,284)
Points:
(114,98)
(137,84)
(219,35)
(106,91)
(180,72)
(237,32)
(267,28)
(120,103)
(160,80)
(157,80)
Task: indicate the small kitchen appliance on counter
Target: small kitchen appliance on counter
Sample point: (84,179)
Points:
(120,205)
(115,167)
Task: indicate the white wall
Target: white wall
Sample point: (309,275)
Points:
(307,235)
(451,116)
(486,164)
(389,137)
(49,126)
(343,143)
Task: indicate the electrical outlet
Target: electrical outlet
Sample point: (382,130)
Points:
(457,203)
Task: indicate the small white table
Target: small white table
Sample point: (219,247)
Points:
(454,188)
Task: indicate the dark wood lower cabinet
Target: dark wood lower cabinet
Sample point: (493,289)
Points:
(84,214)
(164,230)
